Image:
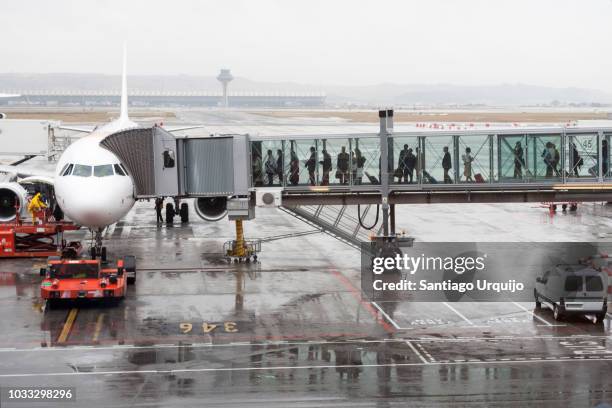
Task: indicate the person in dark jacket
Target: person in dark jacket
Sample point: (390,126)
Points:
(294,169)
(327,167)
(342,166)
(446,165)
(605,153)
(577,161)
(159,205)
(402,165)
(280,170)
(519,160)
(270,167)
(411,161)
(311,165)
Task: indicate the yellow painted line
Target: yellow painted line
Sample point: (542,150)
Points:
(98,327)
(68,325)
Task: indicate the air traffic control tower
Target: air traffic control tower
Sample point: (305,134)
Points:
(225,77)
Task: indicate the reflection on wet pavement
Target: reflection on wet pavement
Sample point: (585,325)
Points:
(295,329)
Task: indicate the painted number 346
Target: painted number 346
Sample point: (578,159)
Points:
(207,328)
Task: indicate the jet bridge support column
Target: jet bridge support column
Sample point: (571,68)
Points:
(386,128)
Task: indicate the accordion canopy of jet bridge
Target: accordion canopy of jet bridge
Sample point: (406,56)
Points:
(164,165)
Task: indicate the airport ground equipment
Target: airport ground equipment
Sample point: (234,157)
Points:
(565,205)
(22,239)
(71,279)
(573,289)
(241,249)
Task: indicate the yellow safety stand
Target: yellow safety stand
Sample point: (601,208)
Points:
(240,249)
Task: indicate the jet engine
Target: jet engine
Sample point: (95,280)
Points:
(211,208)
(11,194)
(2,115)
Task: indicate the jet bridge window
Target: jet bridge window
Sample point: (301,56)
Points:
(104,170)
(168,159)
(67,170)
(118,170)
(81,170)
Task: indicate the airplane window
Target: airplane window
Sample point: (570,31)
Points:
(118,170)
(82,170)
(124,169)
(67,169)
(104,170)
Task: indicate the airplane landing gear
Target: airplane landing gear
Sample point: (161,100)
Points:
(97,250)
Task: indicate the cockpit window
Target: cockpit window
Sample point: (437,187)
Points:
(67,170)
(103,170)
(118,170)
(124,169)
(82,170)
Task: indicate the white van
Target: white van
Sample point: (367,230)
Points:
(572,289)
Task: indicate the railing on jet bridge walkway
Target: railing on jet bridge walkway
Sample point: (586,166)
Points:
(334,221)
(483,158)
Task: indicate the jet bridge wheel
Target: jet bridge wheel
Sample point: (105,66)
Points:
(184,213)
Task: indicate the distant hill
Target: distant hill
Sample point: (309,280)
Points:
(387,93)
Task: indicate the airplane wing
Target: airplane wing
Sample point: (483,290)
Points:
(83,129)
(31,174)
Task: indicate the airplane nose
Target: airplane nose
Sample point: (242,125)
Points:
(93,207)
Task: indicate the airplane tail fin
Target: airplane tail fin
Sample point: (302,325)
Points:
(124,95)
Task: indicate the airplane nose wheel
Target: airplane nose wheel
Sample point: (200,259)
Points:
(97,249)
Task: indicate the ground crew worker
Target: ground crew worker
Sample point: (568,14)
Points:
(35,205)
(159,205)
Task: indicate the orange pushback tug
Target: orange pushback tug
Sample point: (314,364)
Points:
(70,279)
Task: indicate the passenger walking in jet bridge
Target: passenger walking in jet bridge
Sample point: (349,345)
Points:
(327,167)
(556,160)
(519,161)
(359,164)
(605,154)
(279,166)
(446,165)
(294,169)
(159,206)
(270,167)
(342,166)
(402,164)
(257,169)
(548,156)
(467,164)
(411,160)
(311,165)
(577,161)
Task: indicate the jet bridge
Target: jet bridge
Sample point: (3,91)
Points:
(515,164)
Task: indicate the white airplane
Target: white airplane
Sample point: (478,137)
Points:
(91,185)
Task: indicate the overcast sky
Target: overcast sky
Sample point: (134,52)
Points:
(347,42)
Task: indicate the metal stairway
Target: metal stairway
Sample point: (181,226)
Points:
(336,221)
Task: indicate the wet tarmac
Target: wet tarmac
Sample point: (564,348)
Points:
(293,328)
